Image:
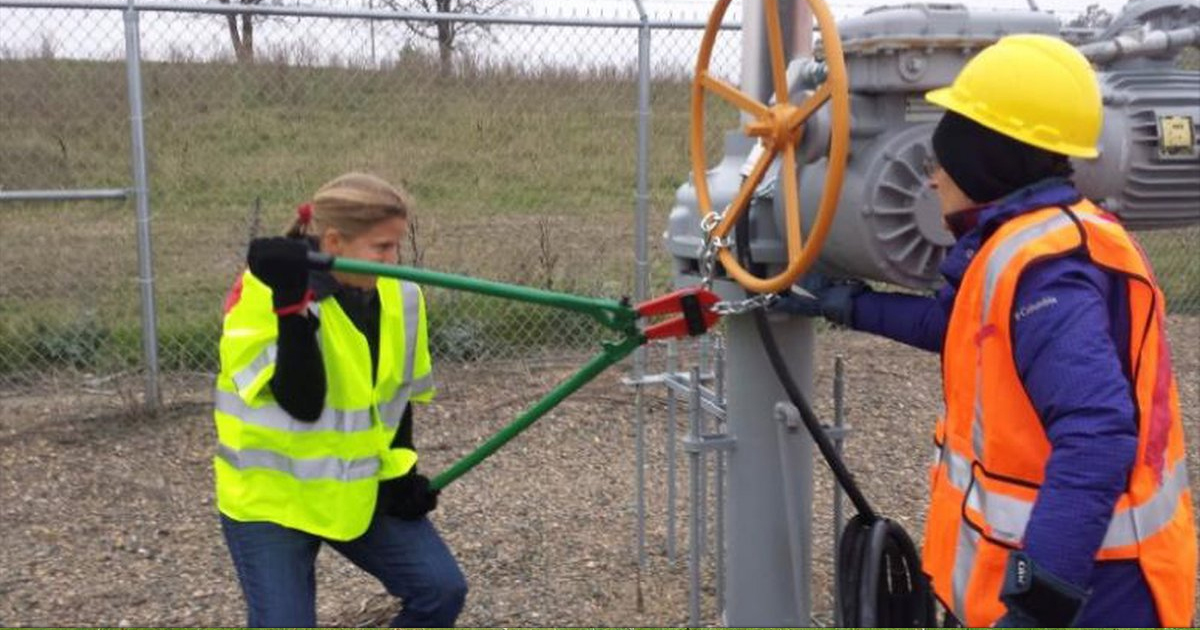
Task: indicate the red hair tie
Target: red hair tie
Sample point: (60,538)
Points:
(305,213)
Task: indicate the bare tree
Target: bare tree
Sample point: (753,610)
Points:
(449,35)
(1094,16)
(242,36)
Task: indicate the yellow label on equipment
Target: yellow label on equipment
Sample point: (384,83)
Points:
(1176,136)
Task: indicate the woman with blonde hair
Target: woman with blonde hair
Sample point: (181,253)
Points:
(319,371)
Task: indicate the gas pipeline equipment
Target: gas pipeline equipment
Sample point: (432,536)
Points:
(834,146)
(888,225)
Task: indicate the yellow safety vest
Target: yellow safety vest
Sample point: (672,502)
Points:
(319,477)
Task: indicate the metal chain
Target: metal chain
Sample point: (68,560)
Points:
(739,307)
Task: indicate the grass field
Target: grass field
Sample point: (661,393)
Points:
(517,177)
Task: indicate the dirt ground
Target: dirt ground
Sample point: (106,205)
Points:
(108,518)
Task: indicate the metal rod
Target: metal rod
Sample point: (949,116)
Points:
(639,405)
(137,149)
(610,313)
(641,268)
(839,422)
(672,451)
(723,429)
(787,433)
(319,12)
(695,542)
(611,354)
(64,195)
(371,29)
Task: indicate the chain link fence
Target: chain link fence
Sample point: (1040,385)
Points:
(519,150)
(519,147)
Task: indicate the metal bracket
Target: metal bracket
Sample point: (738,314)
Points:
(789,415)
(662,378)
(709,442)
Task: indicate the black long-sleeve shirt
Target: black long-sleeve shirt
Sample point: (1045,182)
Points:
(299,384)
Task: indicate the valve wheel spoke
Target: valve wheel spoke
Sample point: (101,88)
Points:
(734,96)
(779,128)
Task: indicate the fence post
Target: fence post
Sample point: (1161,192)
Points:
(137,149)
(640,265)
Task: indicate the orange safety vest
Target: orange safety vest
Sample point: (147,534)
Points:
(991,446)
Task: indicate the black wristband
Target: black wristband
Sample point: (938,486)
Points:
(1051,601)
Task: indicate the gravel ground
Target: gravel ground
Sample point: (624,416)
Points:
(108,517)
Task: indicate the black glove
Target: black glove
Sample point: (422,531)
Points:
(282,264)
(1037,598)
(832,300)
(408,497)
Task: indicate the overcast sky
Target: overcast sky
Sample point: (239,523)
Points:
(841,8)
(174,36)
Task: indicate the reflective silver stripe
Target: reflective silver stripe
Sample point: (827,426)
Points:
(996,264)
(410,296)
(391,411)
(245,376)
(958,469)
(303,469)
(1005,251)
(272,416)
(1007,517)
(1146,520)
(964,562)
(422,385)
(977,426)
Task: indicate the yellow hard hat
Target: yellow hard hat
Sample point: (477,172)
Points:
(1034,88)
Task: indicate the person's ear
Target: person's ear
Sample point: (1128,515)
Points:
(332,242)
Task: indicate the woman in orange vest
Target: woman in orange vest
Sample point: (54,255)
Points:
(1059,489)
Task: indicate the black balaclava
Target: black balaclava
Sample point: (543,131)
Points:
(988,165)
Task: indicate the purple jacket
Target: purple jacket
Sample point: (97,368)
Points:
(1078,381)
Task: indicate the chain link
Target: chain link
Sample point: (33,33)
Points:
(708,256)
(739,307)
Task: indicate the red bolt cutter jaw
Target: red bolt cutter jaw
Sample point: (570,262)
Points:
(695,305)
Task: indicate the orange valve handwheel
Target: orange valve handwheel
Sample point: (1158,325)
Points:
(778,127)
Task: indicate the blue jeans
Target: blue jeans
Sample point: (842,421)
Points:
(276,568)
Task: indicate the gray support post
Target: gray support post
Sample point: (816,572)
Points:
(133,71)
(760,588)
(641,268)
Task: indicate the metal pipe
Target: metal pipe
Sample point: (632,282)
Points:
(64,195)
(798,526)
(719,483)
(641,268)
(639,406)
(839,422)
(722,429)
(319,12)
(672,450)
(137,149)
(695,463)
(1154,42)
